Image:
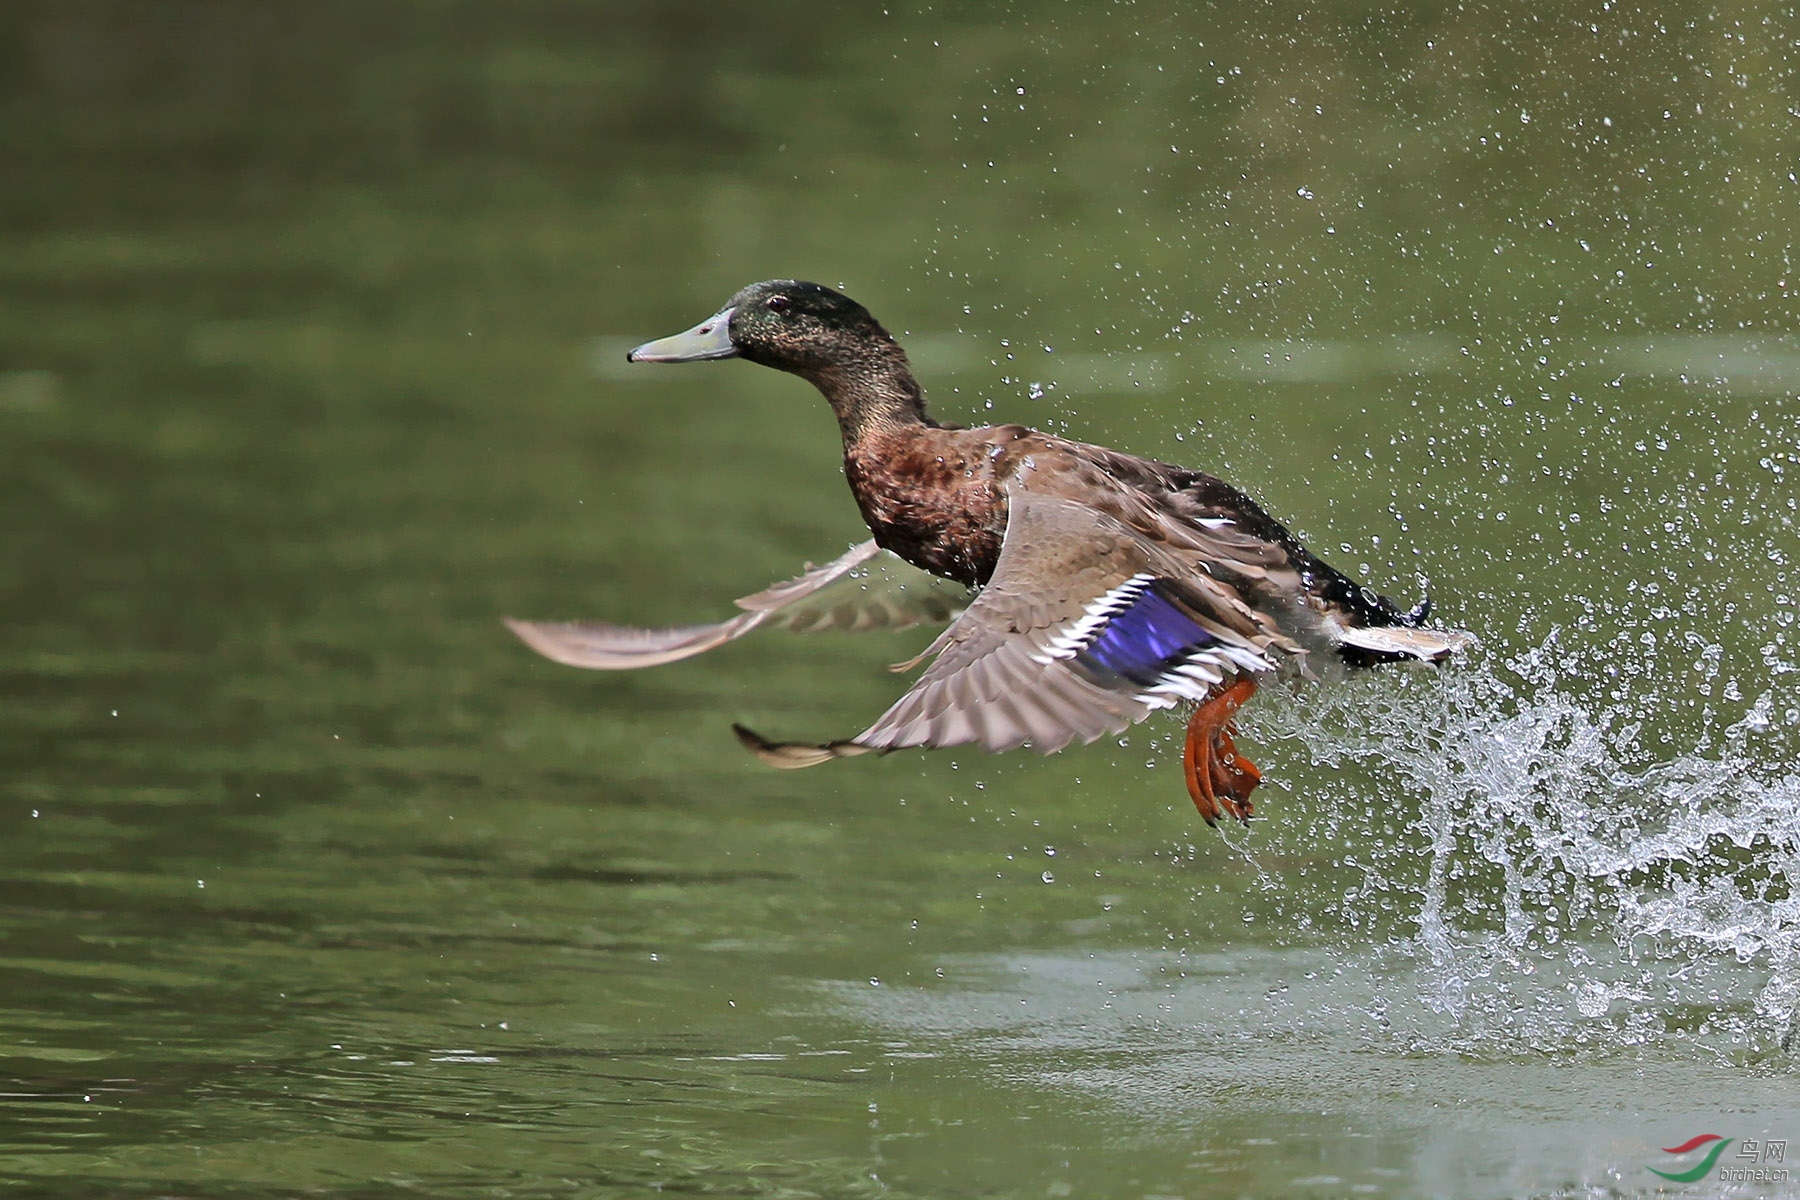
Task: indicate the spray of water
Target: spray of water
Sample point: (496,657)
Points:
(1575,879)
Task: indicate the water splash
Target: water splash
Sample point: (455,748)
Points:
(1576,878)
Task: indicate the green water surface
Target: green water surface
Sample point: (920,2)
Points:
(313,882)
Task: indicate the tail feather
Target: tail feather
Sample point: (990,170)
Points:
(1400,641)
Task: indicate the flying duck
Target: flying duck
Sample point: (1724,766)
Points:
(1092,588)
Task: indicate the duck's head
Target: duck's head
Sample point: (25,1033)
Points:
(805,328)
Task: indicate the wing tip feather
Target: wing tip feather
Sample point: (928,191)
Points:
(791,756)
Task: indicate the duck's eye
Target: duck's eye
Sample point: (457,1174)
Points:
(776,303)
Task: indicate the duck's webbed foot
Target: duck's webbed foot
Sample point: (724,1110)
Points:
(1218,778)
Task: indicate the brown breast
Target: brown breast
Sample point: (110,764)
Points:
(929,495)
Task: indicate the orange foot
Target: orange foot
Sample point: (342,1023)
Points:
(1218,778)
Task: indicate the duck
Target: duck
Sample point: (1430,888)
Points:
(1082,589)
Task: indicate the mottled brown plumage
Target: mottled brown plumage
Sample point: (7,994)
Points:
(1110,585)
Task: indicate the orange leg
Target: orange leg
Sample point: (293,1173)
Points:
(1218,778)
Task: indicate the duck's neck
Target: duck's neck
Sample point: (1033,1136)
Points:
(872,394)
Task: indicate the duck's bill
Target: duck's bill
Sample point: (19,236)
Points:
(711,338)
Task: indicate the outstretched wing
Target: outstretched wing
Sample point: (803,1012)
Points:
(889,594)
(1086,627)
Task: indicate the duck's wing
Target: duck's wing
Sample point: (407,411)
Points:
(860,590)
(1087,626)
(1203,518)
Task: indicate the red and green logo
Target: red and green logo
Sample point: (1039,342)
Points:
(1699,1169)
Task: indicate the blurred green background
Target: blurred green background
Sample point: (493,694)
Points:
(314,882)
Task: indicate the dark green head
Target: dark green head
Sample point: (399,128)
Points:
(783,323)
